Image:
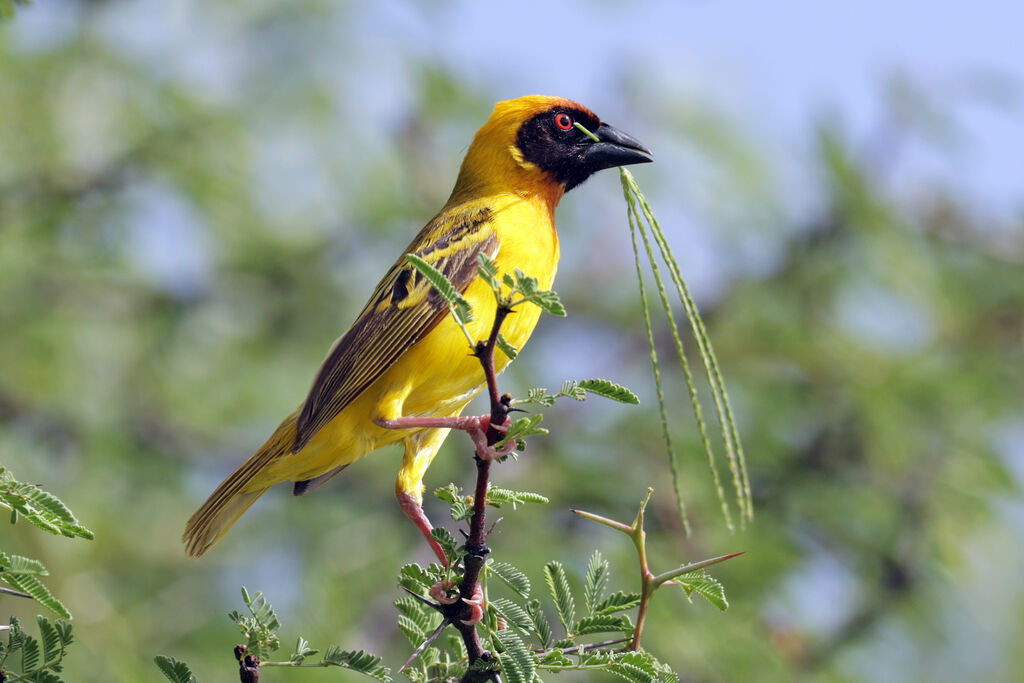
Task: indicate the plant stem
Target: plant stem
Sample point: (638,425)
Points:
(647,584)
(476,544)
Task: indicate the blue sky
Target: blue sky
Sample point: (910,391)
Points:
(774,67)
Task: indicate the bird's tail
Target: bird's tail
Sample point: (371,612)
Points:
(236,493)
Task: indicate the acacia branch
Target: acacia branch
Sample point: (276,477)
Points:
(476,543)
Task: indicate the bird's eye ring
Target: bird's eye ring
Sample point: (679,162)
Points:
(563,121)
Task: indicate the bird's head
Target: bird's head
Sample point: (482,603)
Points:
(531,144)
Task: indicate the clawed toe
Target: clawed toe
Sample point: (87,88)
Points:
(445,592)
(476,604)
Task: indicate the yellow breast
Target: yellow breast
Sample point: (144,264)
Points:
(438,375)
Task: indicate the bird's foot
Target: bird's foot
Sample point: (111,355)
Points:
(475,426)
(476,604)
(447,593)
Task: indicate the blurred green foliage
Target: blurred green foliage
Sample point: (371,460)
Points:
(179,246)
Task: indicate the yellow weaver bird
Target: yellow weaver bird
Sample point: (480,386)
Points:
(402,373)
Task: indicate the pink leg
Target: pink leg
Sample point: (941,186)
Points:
(414,511)
(440,591)
(475,426)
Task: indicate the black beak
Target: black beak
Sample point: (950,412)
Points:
(615,148)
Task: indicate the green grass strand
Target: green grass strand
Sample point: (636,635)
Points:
(698,412)
(645,304)
(635,218)
(720,396)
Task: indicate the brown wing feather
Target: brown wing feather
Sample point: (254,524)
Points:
(402,310)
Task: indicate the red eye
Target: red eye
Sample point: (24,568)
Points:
(563,121)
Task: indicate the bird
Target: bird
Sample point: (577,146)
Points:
(402,373)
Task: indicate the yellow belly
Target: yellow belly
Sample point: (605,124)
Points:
(438,376)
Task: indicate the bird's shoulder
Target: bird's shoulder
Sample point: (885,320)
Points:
(403,308)
(450,243)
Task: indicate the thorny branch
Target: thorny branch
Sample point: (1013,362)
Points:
(476,544)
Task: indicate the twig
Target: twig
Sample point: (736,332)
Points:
(587,646)
(423,646)
(649,581)
(11,591)
(422,599)
(476,546)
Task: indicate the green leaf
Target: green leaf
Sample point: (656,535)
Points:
(573,390)
(541,627)
(302,651)
(549,303)
(639,667)
(522,428)
(449,493)
(174,670)
(546,299)
(617,602)
(602,387)
(411,630)
(525,284)
(556,661)
(540,396)
(602,623)
(53,647)
(596,581)
(497,497)
(261,610)
(40,593)
(357,660)
(260,628)
(462,311)
(558,586)
(39,507)
(64,630)
(507,348)
(461,510)
(517,663)
(16,564)
(488,270)
(416,578)
(631,672)
(440,282)
(456,645)
(513,613)
(512,576)
(700,583)
(29,654)
(413,609)
(461,507)
(446,540)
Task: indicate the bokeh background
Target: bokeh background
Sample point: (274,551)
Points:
(197,197)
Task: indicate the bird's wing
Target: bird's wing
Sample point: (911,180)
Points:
(401,311)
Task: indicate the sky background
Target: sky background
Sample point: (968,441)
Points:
(774,66)
(767,73)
